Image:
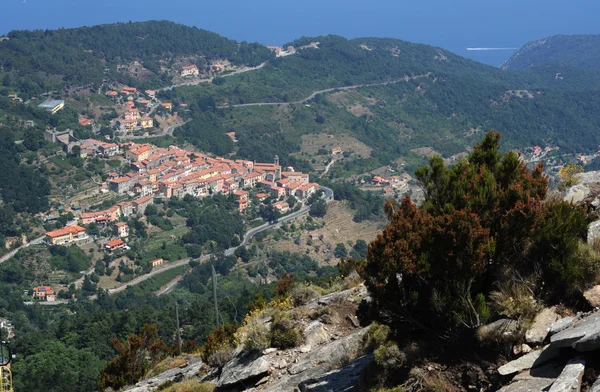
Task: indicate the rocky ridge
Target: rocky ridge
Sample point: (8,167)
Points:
(329,359)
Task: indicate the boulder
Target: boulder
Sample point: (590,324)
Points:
(577,193)
(345,379)
(570,378)
(315,334)
(499,330)
(593,295)
(582,335)
(331,354)
(593,231)
(541,325)
(561,325)
(355,294)
(528,361)
(189,370)
(244,371)
(596,386)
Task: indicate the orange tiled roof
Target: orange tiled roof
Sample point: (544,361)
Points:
(65,231)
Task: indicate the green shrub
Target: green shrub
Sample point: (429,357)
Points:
(283,332)
(302,293)
(375,337)
(258,336)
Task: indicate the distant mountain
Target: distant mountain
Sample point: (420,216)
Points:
(582,51)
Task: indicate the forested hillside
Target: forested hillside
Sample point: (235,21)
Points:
(35,61)
(576,50)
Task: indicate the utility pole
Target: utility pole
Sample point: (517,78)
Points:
(214,279)
(178,329)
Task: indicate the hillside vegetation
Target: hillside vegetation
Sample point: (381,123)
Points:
(35,61)
(577,50)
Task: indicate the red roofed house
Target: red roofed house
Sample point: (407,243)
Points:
(85,122)
(306,191)
(157,262)
(121,229)
(113,245)
(167,105)
(240,195)
(242,205)
(282,206)
(66,235)
(112,93)
(278,192)
(139,205)
(128,90)
(261,196)
(190,70)
(150,93)
(146,122)
(44,293)
(275,49)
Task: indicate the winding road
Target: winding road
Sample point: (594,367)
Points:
(327,196)
(327,90)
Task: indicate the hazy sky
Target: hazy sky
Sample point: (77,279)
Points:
(452,24)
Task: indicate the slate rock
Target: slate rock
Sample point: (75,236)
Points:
(593,231)
(345,379)
(583,335)
(596,386)
(501,328)
(315,334)
(541,325)
(593,295)
(561,325)
(533,385)
(570,378)
(528,361)
(242,370)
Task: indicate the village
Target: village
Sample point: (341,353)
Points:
(163,173)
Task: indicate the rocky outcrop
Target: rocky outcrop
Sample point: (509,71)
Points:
(242,371)
(534,358)
(541,326)
(571,337)
(570,378)
(186,371)
(345,379)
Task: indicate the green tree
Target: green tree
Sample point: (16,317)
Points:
(318,209)
(482,220)
(340,250)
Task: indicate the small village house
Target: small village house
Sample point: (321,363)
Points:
(44,293)
(157,262)
(66,235)
(113,245)
(121,229)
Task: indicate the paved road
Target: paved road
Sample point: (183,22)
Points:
(10,254)
(327,196)
(209,80)
(329,166)
(327,90)
(169,132)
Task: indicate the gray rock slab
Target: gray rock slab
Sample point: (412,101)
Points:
(550,371)
(528,361)
(541,325)
(333,353)
(345,379)
(533,385)
(570,378)
(315,334)
(596,386)
(186,372)
(561,324)
(583,335)
(241,369)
